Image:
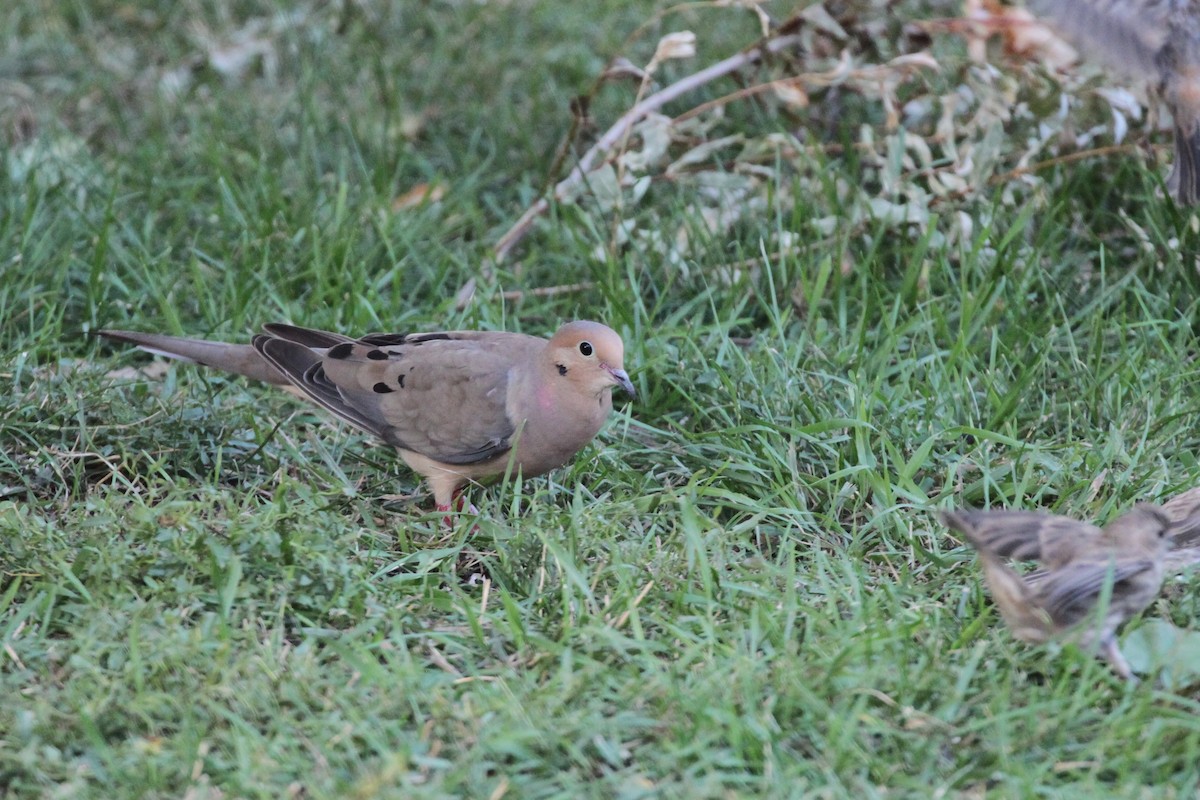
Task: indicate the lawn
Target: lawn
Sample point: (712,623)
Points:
(857,312)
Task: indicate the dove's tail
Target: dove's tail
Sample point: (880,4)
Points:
(1184,182)
(241,359)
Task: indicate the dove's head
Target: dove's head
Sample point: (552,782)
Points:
(591,355)
(1145,529)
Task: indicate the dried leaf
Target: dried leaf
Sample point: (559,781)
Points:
(894,214)
(681,44)
(419,195)
(411,125)
(791,93)
(1122,100)
(153,371)
(233,61)
(702,153)
(655,133)
(601,184)
(1022,34)
(819,18)
(1025,36)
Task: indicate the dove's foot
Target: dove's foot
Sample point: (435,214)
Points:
(458,504)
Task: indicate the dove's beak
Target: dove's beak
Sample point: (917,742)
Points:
(621,378)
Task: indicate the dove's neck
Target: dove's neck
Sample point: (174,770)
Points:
(554,415)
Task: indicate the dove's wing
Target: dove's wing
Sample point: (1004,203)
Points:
(442,395)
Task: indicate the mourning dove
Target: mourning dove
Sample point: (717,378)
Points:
(1079,563)
(460,406)
(1155,39)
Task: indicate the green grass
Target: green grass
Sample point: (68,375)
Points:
(210,590)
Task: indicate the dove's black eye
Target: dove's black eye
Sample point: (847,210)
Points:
(585,348)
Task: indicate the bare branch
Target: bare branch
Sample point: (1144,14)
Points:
(631,117)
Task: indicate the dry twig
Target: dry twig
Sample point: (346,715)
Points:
(592,158)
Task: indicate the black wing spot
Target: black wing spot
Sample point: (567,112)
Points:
(340,351)
(382,388)
(562,369)
(377,355)
(419,338)
(395,353)
(383,339)
(401,380)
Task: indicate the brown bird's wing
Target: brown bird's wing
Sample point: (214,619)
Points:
(1128,35)
(1050,539)
(442,395)
(1184,512)
(1070,594)
(1186,532)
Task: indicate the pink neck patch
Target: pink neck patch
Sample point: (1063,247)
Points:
(545,398)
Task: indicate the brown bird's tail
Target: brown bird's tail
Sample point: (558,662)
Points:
(241,359)
(1013,597)
(1009,591)
(1184,181)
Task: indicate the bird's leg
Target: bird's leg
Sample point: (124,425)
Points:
(444,508)
(1111,652)
(457,501)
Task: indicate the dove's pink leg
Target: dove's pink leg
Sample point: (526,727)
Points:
(457,504)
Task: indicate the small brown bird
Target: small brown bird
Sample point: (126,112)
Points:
(1084,569)
(1155,39)
(460,406)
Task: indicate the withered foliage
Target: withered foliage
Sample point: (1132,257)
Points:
(885,118)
